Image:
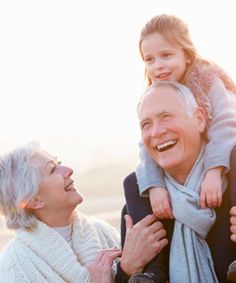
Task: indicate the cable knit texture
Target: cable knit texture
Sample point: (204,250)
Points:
(42,255)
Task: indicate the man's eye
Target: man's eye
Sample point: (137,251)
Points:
(145,125)
(166,116)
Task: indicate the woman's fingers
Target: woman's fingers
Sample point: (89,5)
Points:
(106,257)
(109,256)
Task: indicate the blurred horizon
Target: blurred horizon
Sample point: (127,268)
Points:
(71,77)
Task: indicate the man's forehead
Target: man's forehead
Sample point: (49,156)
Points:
(161,99)
(165,90)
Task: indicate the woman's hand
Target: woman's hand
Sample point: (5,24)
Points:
(100,268)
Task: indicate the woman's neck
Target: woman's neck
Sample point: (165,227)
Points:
(55,219)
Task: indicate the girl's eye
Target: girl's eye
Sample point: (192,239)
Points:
(148,59)
(166,55)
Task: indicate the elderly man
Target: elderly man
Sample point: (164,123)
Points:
(169,115)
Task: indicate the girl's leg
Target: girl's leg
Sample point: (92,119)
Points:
(232,176)
(232,188)
(138,207)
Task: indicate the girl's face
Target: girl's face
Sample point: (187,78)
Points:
(163,59)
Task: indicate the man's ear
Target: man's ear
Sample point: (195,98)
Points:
(35,203)
(202,118)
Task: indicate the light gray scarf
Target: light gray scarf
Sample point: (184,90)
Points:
(190,257)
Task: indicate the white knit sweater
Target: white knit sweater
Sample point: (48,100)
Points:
(42,255)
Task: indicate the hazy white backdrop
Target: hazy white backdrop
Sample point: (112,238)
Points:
(71,75)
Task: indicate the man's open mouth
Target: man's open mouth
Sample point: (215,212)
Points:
(166,145)
(69,186)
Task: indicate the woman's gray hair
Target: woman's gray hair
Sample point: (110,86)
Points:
(19,183)
(186,94)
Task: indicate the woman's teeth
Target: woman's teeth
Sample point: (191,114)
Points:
(68,187)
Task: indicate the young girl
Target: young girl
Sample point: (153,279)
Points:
(169,54)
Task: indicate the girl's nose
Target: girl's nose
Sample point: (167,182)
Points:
(159,63)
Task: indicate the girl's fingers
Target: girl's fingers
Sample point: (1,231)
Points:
(214,200)
(202,200)
(219,199)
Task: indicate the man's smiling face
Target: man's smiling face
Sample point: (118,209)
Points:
(171,136)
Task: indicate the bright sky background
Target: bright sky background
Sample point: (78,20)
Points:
(71,74)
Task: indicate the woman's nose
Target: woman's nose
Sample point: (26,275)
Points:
(66,171)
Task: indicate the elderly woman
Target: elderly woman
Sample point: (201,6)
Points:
(54,242)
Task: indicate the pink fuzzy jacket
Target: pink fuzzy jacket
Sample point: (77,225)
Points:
(200,79)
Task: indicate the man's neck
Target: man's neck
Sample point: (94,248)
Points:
(181,174)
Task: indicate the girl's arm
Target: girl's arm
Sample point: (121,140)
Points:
(222,128)
(148,173)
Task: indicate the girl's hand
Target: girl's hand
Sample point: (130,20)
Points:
(211,189)
(100,269)
(160,202)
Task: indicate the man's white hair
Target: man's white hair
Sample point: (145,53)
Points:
(184,92)
(19,183)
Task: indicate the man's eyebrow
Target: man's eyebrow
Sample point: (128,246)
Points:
(142,121)
(164,112)
(159,114)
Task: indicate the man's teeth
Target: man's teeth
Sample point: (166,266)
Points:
(165,145)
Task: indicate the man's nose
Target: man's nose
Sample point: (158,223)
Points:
(158,130)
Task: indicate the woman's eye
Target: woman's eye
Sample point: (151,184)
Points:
(53,168)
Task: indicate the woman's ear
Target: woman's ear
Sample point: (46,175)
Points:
(35,204)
